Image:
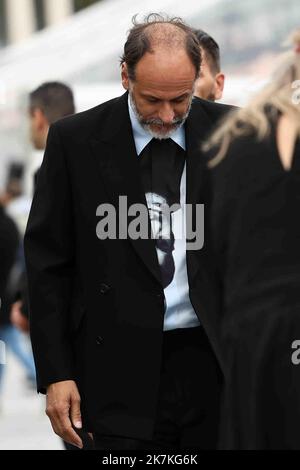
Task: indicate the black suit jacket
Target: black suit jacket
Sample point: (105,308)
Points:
(97,306)
(9,242)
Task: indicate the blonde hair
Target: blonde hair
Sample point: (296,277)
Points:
(281,94)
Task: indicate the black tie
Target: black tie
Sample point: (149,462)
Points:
(162,163)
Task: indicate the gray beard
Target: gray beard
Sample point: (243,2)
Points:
(178,122)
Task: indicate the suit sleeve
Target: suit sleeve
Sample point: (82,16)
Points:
(207,254)
(49,255)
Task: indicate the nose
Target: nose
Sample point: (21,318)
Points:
(166,113)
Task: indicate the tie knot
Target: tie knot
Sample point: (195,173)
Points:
(162,163)
(162,146)
(163,142)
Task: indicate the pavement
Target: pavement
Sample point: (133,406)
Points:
(23,422)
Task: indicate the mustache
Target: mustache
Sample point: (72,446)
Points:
(158,122)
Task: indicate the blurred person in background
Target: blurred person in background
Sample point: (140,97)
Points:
(14,186)
(256,232)
(9,243)
(118,354)
(210,84)
(293,39)
(17,204)
(48,103)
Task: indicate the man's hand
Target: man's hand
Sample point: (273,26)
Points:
(18,319)
(63,410)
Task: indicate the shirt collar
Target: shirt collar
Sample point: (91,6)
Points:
(142,137)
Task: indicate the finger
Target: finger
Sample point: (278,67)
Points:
(70,436)
(59,417)
(66,431)
(75,412)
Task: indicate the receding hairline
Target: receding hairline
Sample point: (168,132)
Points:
(167,35)
(159,33)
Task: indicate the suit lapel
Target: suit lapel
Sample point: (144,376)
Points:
(116,158)
(198,126)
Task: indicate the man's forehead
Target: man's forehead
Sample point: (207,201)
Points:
(165,89)
(165,63)
(165,82)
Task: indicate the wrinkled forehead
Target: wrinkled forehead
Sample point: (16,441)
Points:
(165,73)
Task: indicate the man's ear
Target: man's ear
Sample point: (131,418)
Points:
(219,85)
(124,75)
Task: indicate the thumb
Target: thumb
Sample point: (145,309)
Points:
(75,412)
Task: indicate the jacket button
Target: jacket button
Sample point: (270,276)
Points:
(104,288)
(99,340)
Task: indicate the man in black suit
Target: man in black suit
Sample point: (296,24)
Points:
(123,326)
(9,242)
(48,103)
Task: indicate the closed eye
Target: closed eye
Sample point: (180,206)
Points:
(179,100)
(152,100)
